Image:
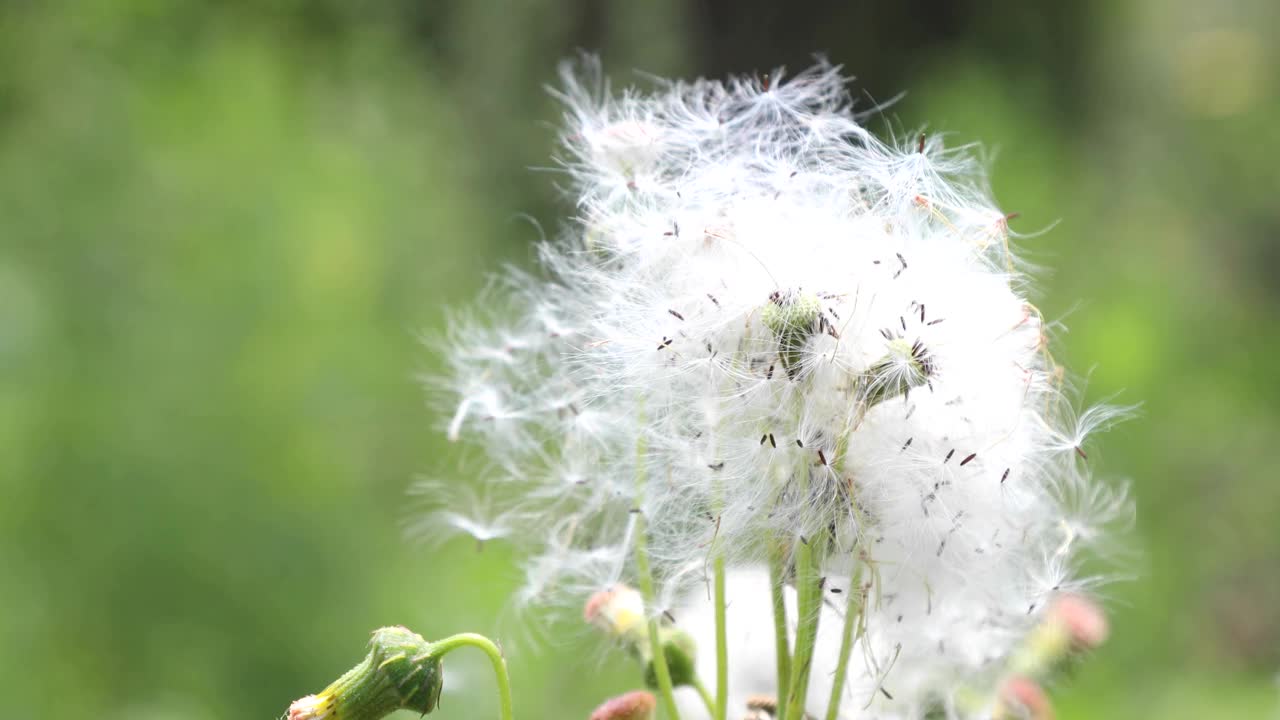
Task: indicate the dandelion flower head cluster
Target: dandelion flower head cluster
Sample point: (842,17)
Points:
(764,327)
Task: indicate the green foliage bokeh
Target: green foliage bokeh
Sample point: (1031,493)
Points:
(225,228)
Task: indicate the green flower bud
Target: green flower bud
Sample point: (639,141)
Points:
(906,366)
(401,671)
(792,318)
(680,650)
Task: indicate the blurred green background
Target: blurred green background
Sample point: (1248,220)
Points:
(225,226)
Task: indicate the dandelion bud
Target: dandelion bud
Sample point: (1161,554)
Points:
(904,367)
(1073,624)
(400,672)
(1022,699)
(680,650)
(1082,620)
(619,611)
(793,319)
(635,705)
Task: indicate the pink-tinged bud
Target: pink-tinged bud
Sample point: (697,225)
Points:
(1023,699)
(1083,620)
(617,611)
(595,605)
(635,705)
(311,707)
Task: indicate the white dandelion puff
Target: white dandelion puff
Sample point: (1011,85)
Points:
(765,327)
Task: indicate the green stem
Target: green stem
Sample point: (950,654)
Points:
(660,669)
(645,577)
(810,605)
(853,614)
(707,700)
(782,645)
(495,658)
(721,710)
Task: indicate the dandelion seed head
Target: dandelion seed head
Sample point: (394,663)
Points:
(765,322)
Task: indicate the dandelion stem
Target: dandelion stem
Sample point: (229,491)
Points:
(707,700)
(721,709)
(645,579)
(853,617)
(660,669)
(782,645)
(499,663)
(810,603)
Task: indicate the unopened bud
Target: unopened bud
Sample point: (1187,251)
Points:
(1082,620)
(635,705)
(401,671)
(681,651)
(619,611)
(905,366)
(1071,625)
(793,318)
(1022,699)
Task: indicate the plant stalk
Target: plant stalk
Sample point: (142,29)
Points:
(495,658)
(809,597)
(645,579)
(781,642)
(722,642)
(853,618)
(705,694)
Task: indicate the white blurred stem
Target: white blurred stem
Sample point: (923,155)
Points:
(645,577)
